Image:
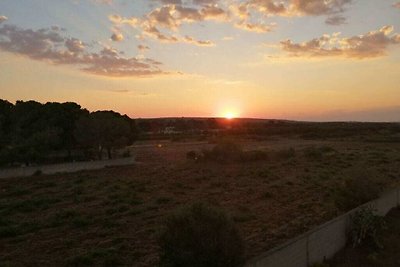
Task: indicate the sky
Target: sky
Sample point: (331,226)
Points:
(317,60)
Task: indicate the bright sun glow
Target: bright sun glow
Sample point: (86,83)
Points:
(229,115)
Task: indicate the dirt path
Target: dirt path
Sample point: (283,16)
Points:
(64,167)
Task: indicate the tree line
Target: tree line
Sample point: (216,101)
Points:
(31,132)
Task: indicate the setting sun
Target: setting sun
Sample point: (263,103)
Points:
(230,115)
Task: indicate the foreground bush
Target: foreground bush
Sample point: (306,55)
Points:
(200,236)
(366,228)
(355,192)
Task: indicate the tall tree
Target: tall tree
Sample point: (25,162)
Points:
(103,130)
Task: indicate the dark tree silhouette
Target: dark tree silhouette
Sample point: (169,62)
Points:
(31,132)
(103,130)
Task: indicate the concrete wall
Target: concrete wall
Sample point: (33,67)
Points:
(324,241)
(65,167)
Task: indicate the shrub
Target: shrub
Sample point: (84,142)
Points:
(192,155)
(286,153)
(225,151)
(37,173)
(253,155)
(366,228)
(126,154)
(313,153)
(355,192)
(200,236)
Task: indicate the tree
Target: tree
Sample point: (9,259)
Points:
(64,116)
(103,130)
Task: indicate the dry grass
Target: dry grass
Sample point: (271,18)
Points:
(111,217)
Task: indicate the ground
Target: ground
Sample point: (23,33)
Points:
(111,217)
(388,256)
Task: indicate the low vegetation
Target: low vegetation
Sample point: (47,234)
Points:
(367,228)
(200,236)
(356,191)
(227,151)
(386,254)
(113,216)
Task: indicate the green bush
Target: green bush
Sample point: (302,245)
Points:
(366,228)
(200,236)
(355,192)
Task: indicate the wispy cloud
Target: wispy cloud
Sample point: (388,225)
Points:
(369,45)
(256,27)
(166,18)
(3,18)
(49,45)
(117,37)
(292,8)
(336,20)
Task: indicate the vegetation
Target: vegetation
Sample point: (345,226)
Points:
(370,255)
(228,151)
(356,191)
(31,132)
(112,216)
(103,130)
(200,236)
(366,228)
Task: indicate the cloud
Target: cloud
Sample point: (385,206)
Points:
(143,48)
(74,45)
(292,8)
(48,45)
(319,7)
(190,40)
(396,5)
(369,45)
(268,6)
(205,2)
(255,27)
(168,2)
(3,18)
(335,20)
(117,37)
(163,23)
(169,18)
(117,19)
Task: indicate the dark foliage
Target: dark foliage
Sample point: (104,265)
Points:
(355,192)
(366,228)
(200,236)
(31,132)
(228,151)
(192,155)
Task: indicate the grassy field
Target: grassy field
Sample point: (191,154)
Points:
(112,217)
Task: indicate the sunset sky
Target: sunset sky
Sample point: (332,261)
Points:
(290,59)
